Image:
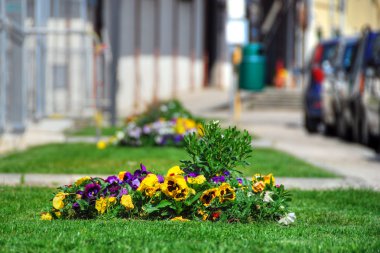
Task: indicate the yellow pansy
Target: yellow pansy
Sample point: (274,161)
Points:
(121,175)
(179,218)
(226,193)
(101,205)
(46,216)
(149,185)
(176,170)
(258,186)
(204,214)
(268,178)
(126,201)
(200,129)
(111,200)
(58,214)
(189,123)
(58,200)
(81,180)
(180,129)
(209,195)
(175,187)
(196,180)
(256,177)
(101,145)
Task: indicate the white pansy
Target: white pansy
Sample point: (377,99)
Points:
(268,197)
(163,108)
(288,219)
(120,135)
(158,139)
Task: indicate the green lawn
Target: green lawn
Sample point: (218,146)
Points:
(327,221)
(91,131)
(85,158)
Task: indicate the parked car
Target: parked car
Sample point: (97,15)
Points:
(341,70)
(320,64)
(370,113)
(352,118)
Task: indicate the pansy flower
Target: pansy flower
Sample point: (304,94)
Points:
(173,171)
(209,195)
(149,185)
(175,187)
(126,201)
(218,179)
(112,179)
(226,193)
(91,190)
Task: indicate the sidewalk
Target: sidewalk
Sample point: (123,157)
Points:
(283,130)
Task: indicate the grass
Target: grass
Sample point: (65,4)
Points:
(91,131)
(327,221)
(85,158)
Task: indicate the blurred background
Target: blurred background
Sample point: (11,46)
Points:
(65,62)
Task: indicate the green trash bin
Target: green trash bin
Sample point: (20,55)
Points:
(252,68)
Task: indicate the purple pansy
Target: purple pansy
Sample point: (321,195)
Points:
(128,176)
(75,206)
(135,184)
(178,138)
(240,181)
(123,191)
(193,174)
(218,179)
(91,190)
(112,179)
(226,173)
(160,178)
(113,189)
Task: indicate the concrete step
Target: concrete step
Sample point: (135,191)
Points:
(273,98)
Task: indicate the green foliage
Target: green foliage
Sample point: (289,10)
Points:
(218,150)
(166,110)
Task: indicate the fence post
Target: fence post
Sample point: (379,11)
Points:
(17,88)
(3,72)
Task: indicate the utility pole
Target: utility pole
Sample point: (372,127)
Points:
(114,34)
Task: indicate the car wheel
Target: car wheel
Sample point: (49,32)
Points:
(311,125)
(365,135)
(343,132)
(357,128)
(329,130)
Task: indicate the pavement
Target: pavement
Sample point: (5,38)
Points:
(357,166)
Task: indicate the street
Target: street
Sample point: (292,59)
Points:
(283,130)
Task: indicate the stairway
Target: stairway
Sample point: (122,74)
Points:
(272,98)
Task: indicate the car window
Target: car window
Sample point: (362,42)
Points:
(329,52)
(374,59)
(349,56)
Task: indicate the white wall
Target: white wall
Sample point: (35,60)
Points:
(189,74)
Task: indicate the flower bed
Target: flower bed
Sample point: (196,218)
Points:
(206,187)
(163,124)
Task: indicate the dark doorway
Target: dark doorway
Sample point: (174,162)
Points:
(214,25)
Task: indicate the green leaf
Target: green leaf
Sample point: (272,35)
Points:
(163,203)
(82,204)
(190,201)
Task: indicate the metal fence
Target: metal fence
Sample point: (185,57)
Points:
(50,62)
